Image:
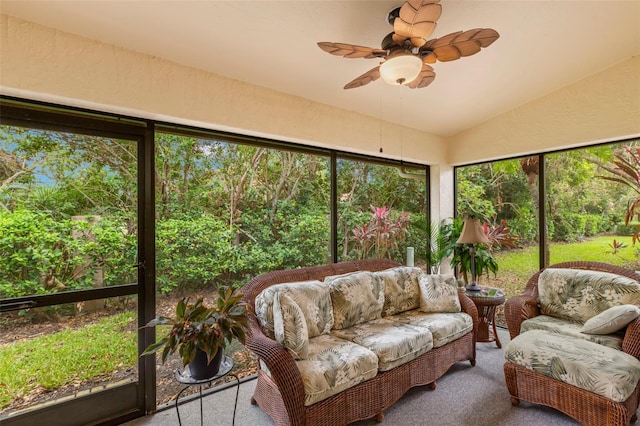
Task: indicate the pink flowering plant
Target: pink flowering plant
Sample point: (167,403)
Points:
(382,234)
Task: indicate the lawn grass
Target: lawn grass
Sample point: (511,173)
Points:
(515,267)
(67,356)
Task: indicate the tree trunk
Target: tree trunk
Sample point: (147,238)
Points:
(531,167)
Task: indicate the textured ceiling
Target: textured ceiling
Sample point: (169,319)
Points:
(543,46)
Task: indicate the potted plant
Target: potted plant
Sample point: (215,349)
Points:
(200,333)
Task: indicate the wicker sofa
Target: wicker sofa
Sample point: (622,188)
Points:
(286,383)
(573,347)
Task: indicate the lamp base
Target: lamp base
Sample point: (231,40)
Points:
(473,288)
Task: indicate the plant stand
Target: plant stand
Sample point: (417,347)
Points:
(183,376)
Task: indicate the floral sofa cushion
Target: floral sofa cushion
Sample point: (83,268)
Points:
(334,365)
(356,298)
(445,327)
(311,296)
(401,290)
(596,368)
(438,293)
(572,329)
(290,326)
(577,295)
(393,343)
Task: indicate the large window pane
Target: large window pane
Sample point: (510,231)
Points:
(504,196)
(588,191)
(227,212)
(381,211)
(68,209)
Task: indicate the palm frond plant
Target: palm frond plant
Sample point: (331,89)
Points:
(440,244)
(197,327)
(626,171)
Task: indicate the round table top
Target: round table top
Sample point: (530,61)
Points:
(183,375)
(488,296)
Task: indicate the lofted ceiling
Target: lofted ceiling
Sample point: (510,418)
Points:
(543,46)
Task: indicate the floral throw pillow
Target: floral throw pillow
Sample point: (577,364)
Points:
(438,293)
(290,326)
(611,320)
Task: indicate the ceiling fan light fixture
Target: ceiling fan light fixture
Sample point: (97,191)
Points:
(400,69)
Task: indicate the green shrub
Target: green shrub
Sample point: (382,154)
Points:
(569,226)
(40,255)
(193,253)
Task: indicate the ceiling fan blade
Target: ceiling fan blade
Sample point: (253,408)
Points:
(351,50)
(417,21)
(366,78)
(426,76)
(460,44)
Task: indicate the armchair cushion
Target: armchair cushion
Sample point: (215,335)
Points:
(578,295)
(572,329)
(438,293)
(611,320)
(604,371)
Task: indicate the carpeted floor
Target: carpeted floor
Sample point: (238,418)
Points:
(464,396)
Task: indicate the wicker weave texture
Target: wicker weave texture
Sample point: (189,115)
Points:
(281,393)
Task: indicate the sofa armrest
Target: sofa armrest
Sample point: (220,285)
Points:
(470,308)
(631,341)
(283,369)
(517,309)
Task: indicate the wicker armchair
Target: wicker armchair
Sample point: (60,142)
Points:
(584,406)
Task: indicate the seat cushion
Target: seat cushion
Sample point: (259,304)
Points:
(356,298)
(595,368)
(401,290)
(393,343)
(445,327)
(333,365)
(568,328)
(578,295)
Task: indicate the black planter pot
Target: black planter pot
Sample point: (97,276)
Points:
(199,368)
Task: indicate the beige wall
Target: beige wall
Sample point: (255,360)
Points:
(45,64)
(603,107)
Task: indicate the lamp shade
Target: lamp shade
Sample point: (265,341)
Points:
(400,69)
(472,233)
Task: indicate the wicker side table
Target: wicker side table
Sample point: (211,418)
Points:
(486,301)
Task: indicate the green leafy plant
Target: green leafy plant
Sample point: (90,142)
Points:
(196,326)
(382,234)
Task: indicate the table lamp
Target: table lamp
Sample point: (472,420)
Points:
(472,233)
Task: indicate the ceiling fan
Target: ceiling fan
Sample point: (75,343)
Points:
(406,53)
